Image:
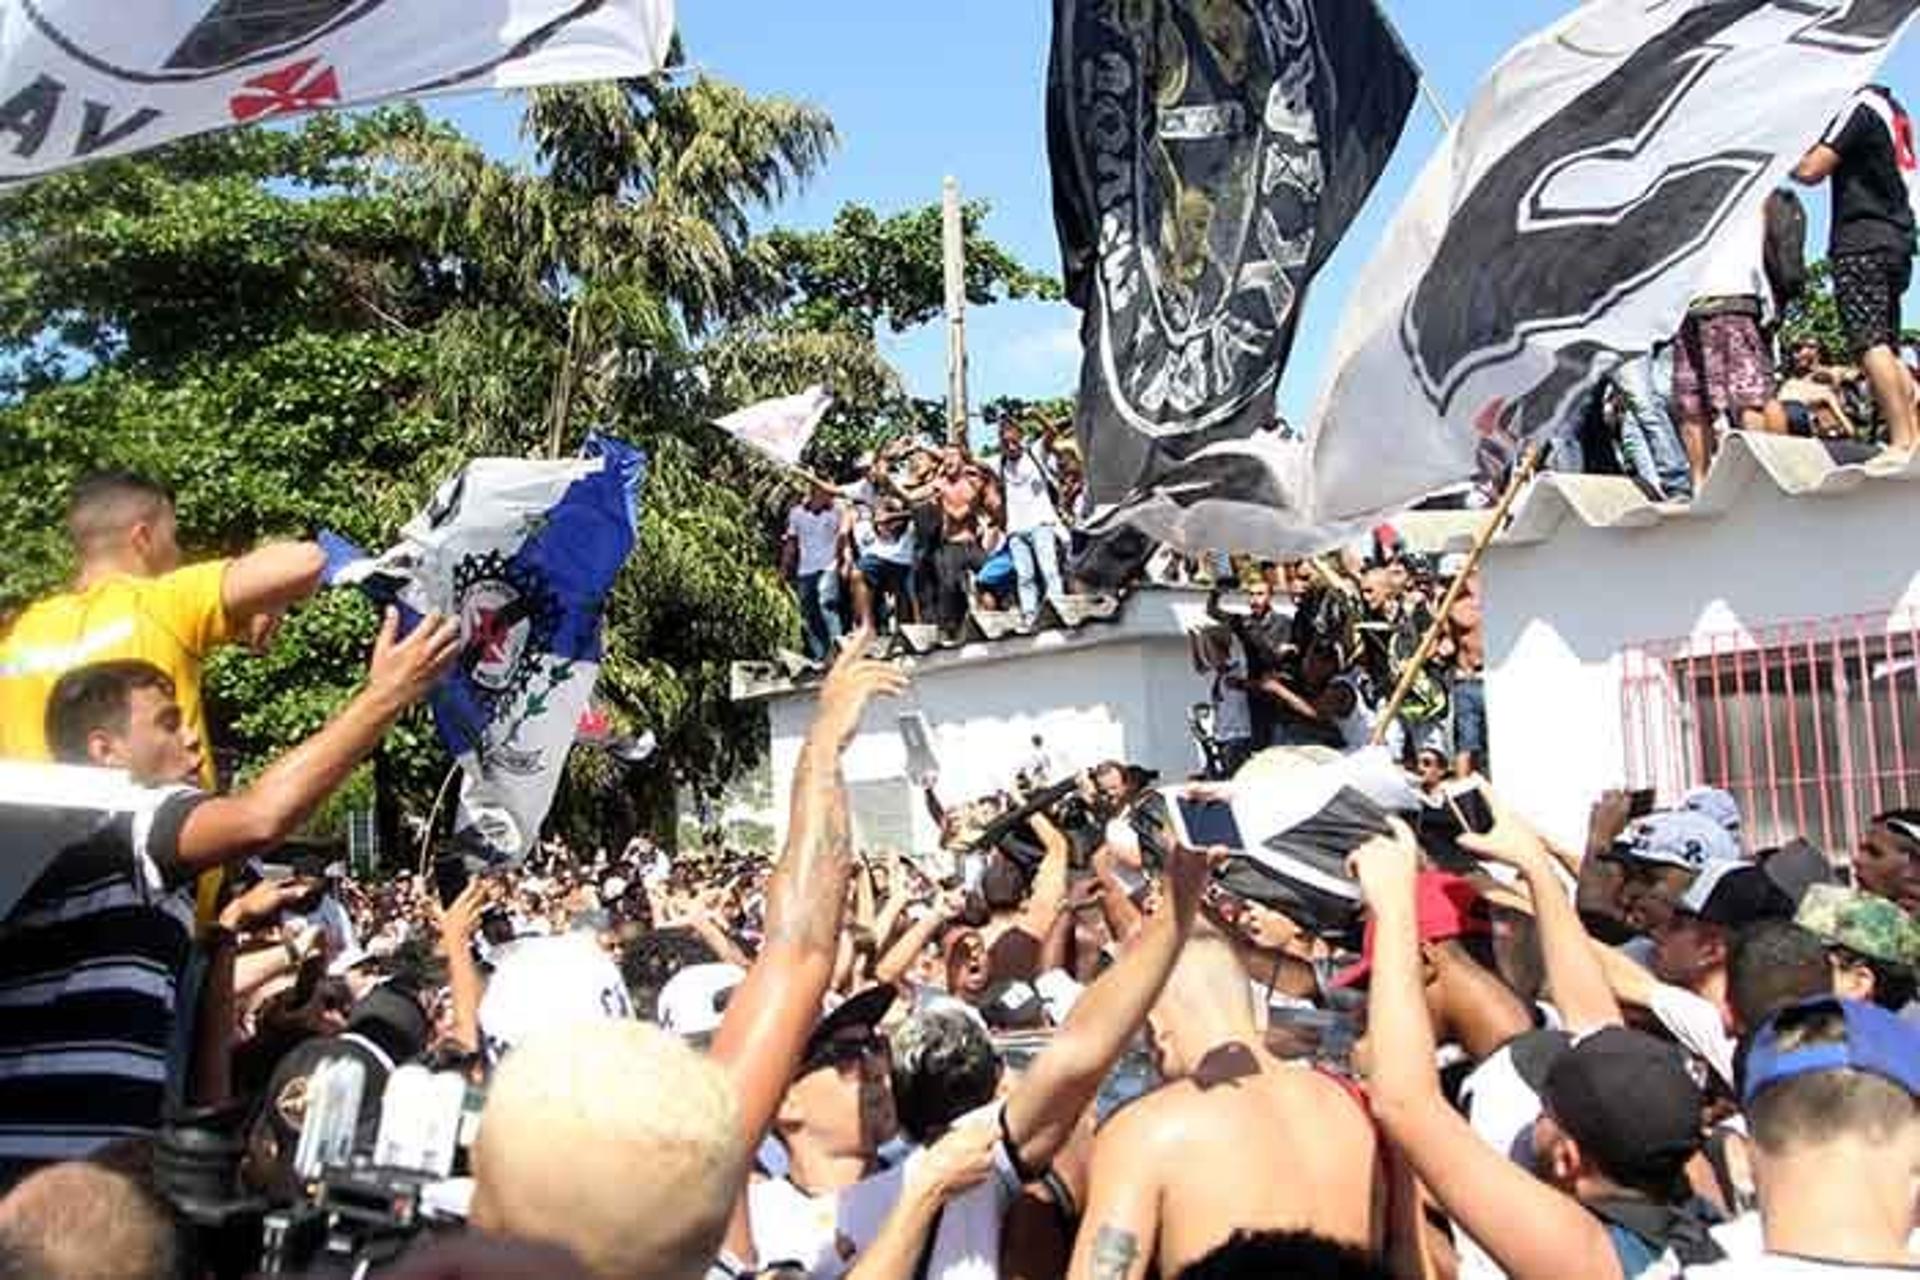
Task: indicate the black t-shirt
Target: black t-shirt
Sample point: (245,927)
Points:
(1872,212)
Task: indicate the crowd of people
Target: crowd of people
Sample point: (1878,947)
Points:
(923,534)
(1330,1008)
(1395,1032)
(1659,419)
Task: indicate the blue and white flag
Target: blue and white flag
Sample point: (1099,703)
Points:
(523,553)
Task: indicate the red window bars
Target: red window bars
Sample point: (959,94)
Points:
(1809,725)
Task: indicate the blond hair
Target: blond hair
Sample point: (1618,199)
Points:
(615,1140)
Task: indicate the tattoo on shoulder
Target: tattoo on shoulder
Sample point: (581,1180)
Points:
(1114,1251)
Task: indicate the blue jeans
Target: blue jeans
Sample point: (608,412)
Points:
(1649,442)
(819,611)
(1036,556)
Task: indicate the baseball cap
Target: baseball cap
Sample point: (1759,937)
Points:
(864,1009)
(694,999)
(1735,894)
(544,983)
(1448,906)
(1013,1005)
(1862,922)
(1629,1102)
(1676,838)
(1877,1042)
(1715,804)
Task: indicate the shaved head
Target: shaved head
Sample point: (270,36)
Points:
(84,1222)
(1207,998)
(124,522)
(615,1140)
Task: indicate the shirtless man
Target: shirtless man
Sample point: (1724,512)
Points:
(1176,1174)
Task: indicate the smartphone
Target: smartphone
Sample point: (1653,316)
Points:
(917,736)
(1469,805)
(1640,803)
(1203,823)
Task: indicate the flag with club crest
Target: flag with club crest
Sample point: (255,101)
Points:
(779,428)
(1564,226)
(1207,158)
(87,79)
(523,553)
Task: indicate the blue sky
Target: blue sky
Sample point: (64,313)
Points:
(921,89)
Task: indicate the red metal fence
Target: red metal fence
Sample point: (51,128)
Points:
(1812,726)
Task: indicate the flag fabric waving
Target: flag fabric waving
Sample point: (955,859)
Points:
(1206,160)
(86,79)
(523,553)
(779,428)
(1564,224)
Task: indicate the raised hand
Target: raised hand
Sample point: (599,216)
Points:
(461,919)
(264,901)
(962,1158)
(407,669)
(1512,841)
(1386,865)
(1187,874)
(854,680)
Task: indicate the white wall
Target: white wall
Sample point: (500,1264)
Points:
(1126,699)
(1560,613)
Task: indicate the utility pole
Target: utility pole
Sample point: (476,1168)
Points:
(954,253)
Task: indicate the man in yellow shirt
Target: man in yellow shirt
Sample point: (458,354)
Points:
(131,598)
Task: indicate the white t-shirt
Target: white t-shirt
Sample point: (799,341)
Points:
(818,533)
(1696,1023)
(826,1234)
(1029,504)
(897,549)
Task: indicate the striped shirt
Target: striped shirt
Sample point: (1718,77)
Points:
(90,965)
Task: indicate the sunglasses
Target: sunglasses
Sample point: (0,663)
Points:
(844,1053)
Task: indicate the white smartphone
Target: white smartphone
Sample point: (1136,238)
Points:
(1202,822)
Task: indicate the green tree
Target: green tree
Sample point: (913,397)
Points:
(311,327)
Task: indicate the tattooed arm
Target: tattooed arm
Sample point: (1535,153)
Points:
(1119,1230)
(777,1004)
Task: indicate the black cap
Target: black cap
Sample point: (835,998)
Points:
(1630,1103)
(1012,1005)
(1736,894)
(864,1009)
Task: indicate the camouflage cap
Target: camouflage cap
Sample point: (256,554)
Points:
(1861,922)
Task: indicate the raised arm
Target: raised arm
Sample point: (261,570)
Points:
(1119,1230)
(458,924)
(1049,896)
(767,1021)
(1532,1231)
(1046,1104)
(227,828)
(1580,987)
(269,578)
(896,961)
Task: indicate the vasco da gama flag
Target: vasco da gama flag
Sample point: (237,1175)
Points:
(523,553)
(1565,223)
(1207,157)
(86,79)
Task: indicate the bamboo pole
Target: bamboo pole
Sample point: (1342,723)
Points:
(1522,473)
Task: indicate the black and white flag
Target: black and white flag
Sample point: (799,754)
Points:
(1564,225)
(1207,157)
(87,79)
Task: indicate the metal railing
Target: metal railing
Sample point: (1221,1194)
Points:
(1807,724)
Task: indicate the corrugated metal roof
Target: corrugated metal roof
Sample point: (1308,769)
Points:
(1794,467)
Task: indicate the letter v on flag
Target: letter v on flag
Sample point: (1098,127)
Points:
(524,554)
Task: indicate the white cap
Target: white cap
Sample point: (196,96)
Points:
(539,983)
(694,999)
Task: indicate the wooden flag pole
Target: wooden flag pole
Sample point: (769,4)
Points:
(1522,473)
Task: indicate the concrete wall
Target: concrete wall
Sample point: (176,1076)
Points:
(1125,698)
(1559,615)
